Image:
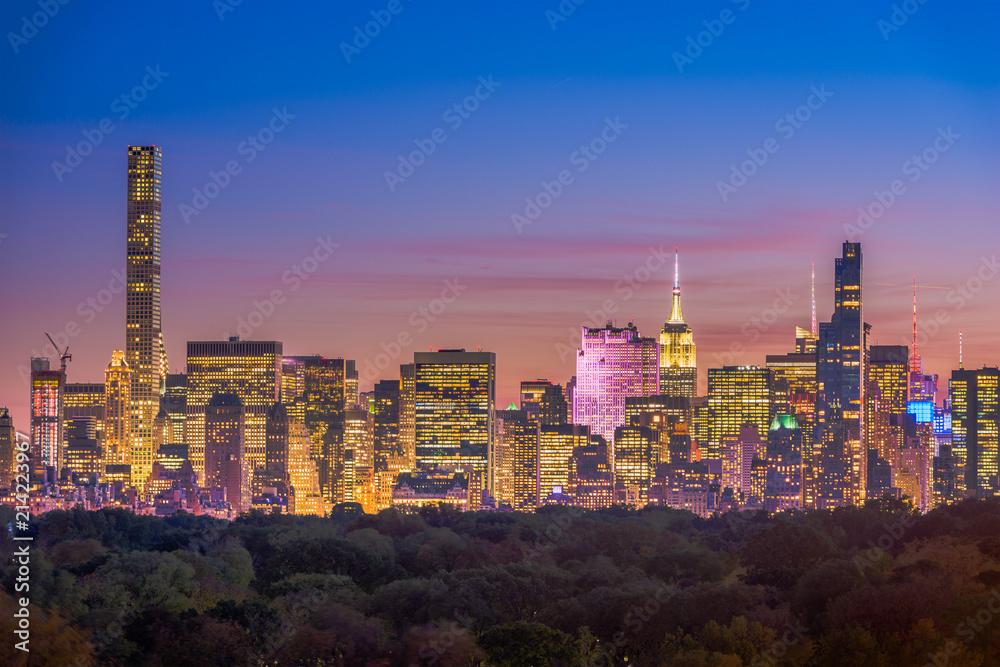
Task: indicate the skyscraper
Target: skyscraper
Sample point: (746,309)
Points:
(545,402)
(841,356)
(612,364)
(143,337)
(678,370)
(737,395)
(385,417)
(975,430)
(887,368)
(83,399)
(225,449)
(8,441)
(455,392)
(117,411)
(46,419)
(556,443)
(249,369)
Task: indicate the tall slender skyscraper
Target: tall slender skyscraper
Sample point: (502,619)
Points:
(143,337)
(841,359)
(975,424)
(678,371)
(47,446)
(117,412)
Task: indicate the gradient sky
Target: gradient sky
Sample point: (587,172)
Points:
(525,295)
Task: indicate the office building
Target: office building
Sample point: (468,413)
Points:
(636,456)
(249,369)
(556,443)
(545,402)
(975,430)
(118,411)
(737,395)
(174,402)
(678,368)
(591,482)
(385,425)
(612,365)
(8,451)
(453,408)
(225,449)
(83,399)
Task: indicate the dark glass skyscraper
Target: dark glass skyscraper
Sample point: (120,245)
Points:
(840,372)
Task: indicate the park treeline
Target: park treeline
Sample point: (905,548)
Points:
(872,586)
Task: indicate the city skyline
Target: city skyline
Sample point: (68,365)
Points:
(314,192)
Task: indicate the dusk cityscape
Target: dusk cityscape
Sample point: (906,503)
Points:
(500,333)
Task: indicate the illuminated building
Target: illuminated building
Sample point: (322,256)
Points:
(83,451)
(143,337)
(8,444)
(225,449)
(293,379)
(675,409)
(784,475)
(556,443)
(453,415)
(913,475)
(249,369)
(636,456)
(174,401)
(385,425)
(117,411)
(700,419)
(358,433)
(922,387)
(738,453)
(276,451)
(163,430)
(678,369)
(414,490)
(887,369)
(516,481)
(46,420)
(840,371)
(407,415)
(612,365)
(545,402)
(805,340)
(591,481)
(83,399)
(686,486)
(946,474)
(975,430)
(737,395)
(303,476)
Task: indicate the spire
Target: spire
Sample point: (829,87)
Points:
(815,328)
(915,365)
(675,308)
(959,349)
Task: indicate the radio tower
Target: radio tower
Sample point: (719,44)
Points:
(815,329)
(959,349)
(915,365)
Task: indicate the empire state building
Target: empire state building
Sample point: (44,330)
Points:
(678,371)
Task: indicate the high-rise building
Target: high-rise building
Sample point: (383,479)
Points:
(46,419)
(888,369)
(143,336)
(922,387)
(612,365)
(544,401)
(118,411)
(975,430)
(591,483)
(636,456)
(83,451)
(8,452)
(783,487)
(407,415)
(83,399)
(385,424)
(174,401)
(737,395)
(455,392)
(841,359)
(225,449)
(276,454)
(515,459)
(249,369)
(739,452)
(678,368)
(556,443)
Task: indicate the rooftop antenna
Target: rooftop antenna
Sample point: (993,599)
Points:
(959,349)
(915,358)
(815,329)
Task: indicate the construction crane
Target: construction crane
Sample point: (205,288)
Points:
(64,355)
